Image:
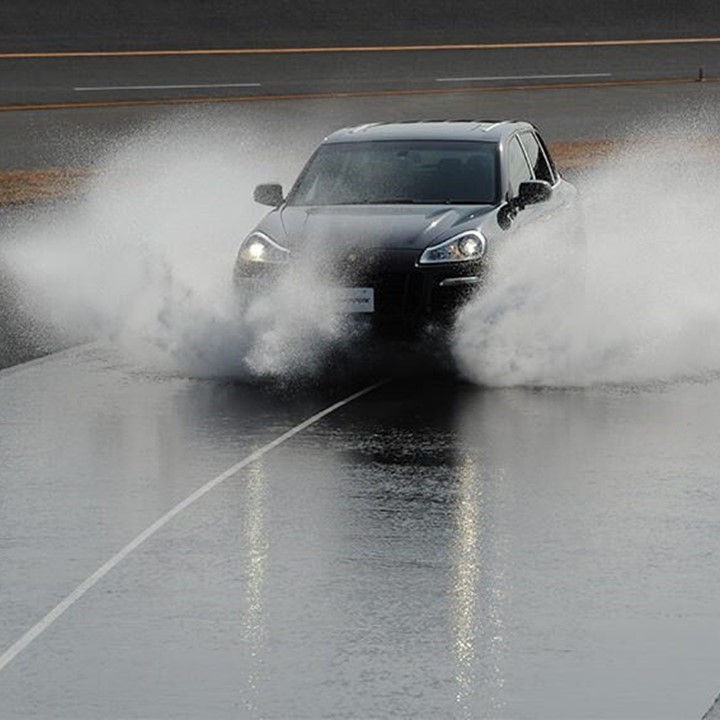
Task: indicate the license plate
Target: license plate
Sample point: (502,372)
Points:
(356,300)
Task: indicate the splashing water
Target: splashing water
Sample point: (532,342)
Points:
(145,260)
(650,310)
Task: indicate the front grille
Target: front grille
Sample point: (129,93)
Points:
(396,293)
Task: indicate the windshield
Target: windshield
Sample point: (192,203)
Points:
(380,173)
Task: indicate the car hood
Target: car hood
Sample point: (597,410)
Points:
(398,227)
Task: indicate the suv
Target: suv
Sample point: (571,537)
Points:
(403,217)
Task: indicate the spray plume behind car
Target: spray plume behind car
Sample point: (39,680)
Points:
(650,310)
(141,261)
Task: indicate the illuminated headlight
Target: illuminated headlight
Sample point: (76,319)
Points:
(466,246)
(259,248)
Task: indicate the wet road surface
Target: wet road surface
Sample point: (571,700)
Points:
(433,549)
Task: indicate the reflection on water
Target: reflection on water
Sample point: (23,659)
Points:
(495,606)
(254,626)
(480,588)
(465,582)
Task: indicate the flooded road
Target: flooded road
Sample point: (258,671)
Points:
(431,549)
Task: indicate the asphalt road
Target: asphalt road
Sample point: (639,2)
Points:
(430,549)
(38,81)
(36,25)
(276,136)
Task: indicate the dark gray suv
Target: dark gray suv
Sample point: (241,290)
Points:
(405,216)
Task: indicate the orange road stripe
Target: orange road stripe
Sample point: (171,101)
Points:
(353,94)
(361,48)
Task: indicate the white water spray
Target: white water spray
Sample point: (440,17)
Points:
(651,306)
(145,260)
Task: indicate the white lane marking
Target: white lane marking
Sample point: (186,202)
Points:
(525,77)
(40,627)
(164,87)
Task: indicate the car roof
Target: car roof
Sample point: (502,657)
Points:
(472,130)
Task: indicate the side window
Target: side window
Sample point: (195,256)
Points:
(551,162)
(538,160)
(518,168)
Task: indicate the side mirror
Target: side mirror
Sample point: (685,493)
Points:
(506,215)
(532,192)
(269,194)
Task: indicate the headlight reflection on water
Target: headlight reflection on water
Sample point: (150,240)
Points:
(254,625)
(479,595)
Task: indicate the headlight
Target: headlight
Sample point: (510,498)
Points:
(469,245)
(259,248)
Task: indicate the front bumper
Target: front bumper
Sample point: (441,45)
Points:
(417,294)
(404,292)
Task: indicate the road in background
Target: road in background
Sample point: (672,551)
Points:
(35,25)
(130,78)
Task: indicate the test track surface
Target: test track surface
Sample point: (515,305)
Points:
(66,603)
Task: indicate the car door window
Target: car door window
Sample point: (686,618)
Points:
(548,157)
(536,155)
(518,168)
